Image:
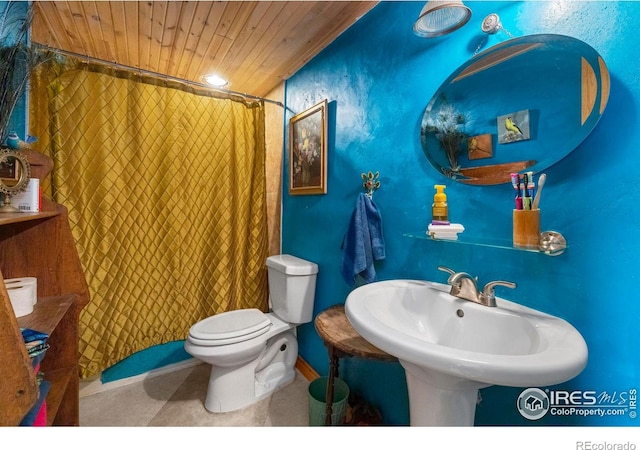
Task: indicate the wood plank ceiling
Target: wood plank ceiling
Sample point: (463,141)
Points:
(256,45)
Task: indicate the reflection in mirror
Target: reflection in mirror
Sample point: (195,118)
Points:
(14,176)
(521,105)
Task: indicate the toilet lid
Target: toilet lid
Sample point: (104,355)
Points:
(230,327)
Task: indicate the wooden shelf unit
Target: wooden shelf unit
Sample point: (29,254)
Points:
(41,245)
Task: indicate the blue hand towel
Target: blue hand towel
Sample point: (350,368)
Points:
(363,243)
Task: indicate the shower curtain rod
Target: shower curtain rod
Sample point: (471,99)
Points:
(158,75)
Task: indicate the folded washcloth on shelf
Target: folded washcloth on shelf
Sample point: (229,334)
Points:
(363,243)
(36,344)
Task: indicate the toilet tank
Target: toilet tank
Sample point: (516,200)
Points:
(292,287)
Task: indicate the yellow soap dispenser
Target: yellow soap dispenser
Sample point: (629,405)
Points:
(439,209)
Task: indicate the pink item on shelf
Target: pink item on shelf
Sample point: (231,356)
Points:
(41,417)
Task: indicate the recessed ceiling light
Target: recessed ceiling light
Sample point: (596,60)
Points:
(216,80)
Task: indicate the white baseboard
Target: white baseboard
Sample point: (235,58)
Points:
(93,385)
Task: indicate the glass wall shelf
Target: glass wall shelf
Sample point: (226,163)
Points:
(553,242)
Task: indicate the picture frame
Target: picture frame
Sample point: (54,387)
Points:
(308,151)
(480,146)
(9,171)
(514,127)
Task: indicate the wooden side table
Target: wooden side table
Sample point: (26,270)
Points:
(342,341)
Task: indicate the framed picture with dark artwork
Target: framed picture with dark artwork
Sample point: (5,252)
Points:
(308,151)
(9,170)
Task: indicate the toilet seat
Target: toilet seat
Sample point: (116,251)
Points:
(230,327)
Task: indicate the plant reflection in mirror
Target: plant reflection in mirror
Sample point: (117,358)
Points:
(448,126)
(17,58)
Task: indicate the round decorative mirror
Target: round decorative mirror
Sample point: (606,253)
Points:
(519,106)
(15,172)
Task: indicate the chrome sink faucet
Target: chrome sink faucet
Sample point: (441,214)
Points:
(465,286)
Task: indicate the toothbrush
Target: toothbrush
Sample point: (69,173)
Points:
(531,185)
(536,200)
(515,181)
(527,194)
(518,198)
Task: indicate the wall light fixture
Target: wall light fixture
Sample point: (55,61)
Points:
(441,17)
(491,25)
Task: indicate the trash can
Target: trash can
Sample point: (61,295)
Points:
(318,399)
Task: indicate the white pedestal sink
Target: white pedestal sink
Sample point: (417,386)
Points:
(451,347)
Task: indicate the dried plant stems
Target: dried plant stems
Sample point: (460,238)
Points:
(16,59)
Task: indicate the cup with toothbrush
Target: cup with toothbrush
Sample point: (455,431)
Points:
(526,214)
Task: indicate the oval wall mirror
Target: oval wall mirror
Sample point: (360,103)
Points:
(15,172)
(519,106)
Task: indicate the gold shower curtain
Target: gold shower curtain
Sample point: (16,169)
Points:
(165,187)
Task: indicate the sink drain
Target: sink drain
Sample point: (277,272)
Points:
(460,313)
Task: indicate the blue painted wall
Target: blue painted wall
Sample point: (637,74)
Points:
(378,77)
(151,358)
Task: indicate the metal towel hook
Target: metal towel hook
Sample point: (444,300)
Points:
(370,182)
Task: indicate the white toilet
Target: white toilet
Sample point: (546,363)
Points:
(252,353)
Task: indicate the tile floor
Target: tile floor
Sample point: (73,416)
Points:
(176,399)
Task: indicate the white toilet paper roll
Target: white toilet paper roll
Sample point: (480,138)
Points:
(25,281)
(21,299)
